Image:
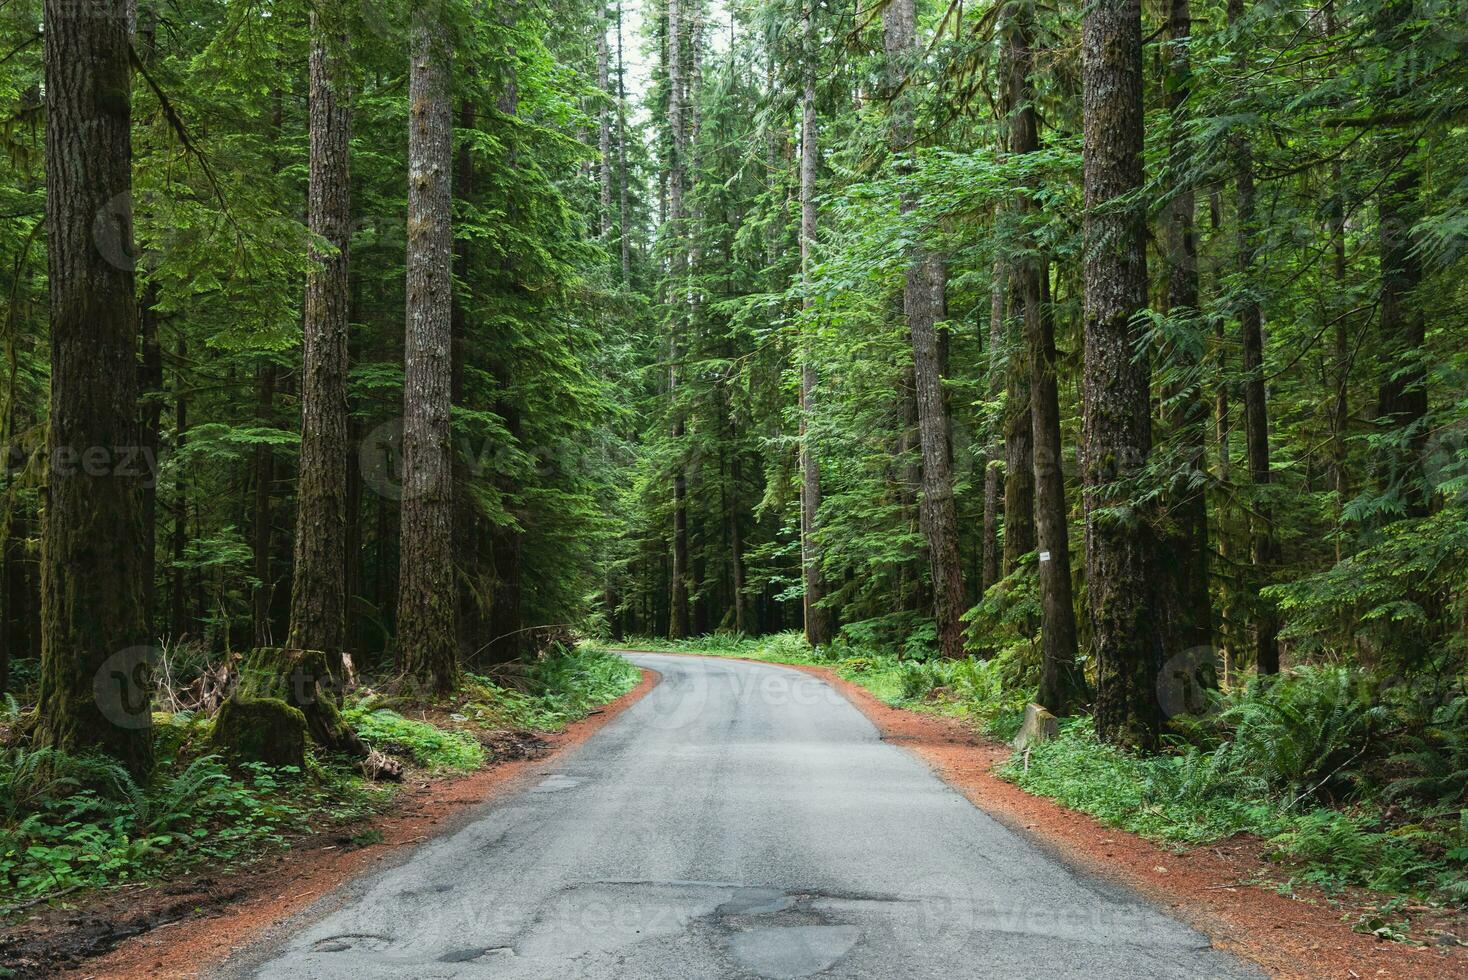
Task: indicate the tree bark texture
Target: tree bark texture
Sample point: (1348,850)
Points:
(426,637)
(993,479)
(94,688)
(678,622)
(817,619)
(1062,686)
(924,305)
(1117,430)
(318,586)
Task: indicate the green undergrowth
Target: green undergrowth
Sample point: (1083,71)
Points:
(69,823)
(549,693)
(427,746)
(73,822)
(1190,796)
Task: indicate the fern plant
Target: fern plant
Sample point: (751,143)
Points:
(1304,733)
(1437,758)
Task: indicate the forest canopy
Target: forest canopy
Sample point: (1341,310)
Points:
(1119,342)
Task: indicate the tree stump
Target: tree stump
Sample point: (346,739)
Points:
(261,730)
(302,680)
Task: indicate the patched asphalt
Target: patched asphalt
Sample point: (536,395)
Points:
(741,820)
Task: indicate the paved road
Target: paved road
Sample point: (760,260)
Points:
(742,820)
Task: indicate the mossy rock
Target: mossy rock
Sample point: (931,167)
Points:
(261,730)
(302,679)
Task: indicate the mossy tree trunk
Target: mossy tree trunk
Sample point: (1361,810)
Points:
(94,688)
(318,587)
(1117,431)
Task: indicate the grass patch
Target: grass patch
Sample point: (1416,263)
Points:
(428,746)
(1190,796)
(551,692)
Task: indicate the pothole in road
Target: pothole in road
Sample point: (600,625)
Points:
(756,901)
(786,952)
(556,783)
(476,954)
(368,941)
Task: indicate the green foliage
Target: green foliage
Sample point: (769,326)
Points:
(68,822)
(546,695)
(1435,760)
(1303,732)
(428,746)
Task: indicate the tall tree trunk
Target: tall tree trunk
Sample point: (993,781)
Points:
(94,689)
(1062,686)
(678,616)
(604,125)
(1184,604)
(1019,452)
(318,587)
(1117,432)
(426,637)
(817,618)
(467,566)
(924,305)
(736,547)
(1263,547)
(624,242)
(178,588)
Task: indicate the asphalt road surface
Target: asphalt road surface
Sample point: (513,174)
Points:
(742,820)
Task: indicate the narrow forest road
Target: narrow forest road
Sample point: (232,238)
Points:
(741,820)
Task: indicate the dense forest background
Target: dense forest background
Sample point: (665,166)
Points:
(1121,342)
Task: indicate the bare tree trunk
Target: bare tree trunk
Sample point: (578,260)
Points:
(426,637)
(94,691)
(1117,432)
(1263,547)
(1184,604)
(178,588)
(604,125)
(1062,686)
(624,241)
(318,584)
(1019,456)
(817,619)
(678,624)
(924,305)
(150,383)
(468,567)
(736,546)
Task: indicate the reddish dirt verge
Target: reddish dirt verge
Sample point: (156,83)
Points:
(182,928)
(1207,887)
